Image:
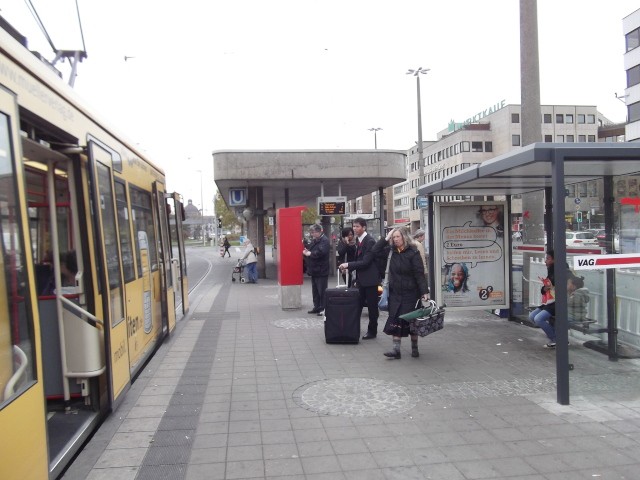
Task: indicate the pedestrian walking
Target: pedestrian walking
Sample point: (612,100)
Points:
(407,285)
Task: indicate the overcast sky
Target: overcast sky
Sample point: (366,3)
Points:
(297,74)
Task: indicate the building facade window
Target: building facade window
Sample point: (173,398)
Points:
(560,138)
(591,118)
(515,118)
(568,118)
(465,146)
(570,138)
(546,118)
(633,76)
(632,39)
(634,112)
(488,146)
(476,146)
(582,138)
(581,118)
(559,118)
(591,138)
(548,138)
(515,140)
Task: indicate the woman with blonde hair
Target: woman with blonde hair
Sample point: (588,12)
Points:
(407,285)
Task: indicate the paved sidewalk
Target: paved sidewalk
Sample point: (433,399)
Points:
(243,389)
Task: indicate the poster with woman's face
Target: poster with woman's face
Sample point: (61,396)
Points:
(470,244)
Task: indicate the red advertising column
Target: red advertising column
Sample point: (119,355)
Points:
(290,275)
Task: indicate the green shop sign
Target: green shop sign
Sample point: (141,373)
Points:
(453,126)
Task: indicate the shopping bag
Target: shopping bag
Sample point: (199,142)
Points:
(423,311)
(383,303)
(424,326)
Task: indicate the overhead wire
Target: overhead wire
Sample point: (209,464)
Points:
(34,12)
(84,48)
(35,15)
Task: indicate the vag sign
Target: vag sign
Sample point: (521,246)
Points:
(598,262)
(584,262)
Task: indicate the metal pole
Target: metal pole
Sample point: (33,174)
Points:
(561,274)
(202,207)
(420,155)
(610,274)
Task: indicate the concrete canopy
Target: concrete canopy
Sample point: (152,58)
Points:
(302,173)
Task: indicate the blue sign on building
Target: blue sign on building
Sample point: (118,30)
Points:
(237,197)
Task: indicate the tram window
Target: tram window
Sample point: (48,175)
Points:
(17,355)
(109,233)
(126,245)
(144,228)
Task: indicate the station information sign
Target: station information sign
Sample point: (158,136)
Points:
(329,206)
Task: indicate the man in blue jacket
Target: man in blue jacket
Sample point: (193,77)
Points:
(367,274)
(317,254)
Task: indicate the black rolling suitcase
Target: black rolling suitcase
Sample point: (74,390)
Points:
(342,314)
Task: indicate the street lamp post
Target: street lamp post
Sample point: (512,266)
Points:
(430,259)
(417,73)
(204,240)
(375,136)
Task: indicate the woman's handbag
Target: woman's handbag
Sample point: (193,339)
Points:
(383,303)
(425,320)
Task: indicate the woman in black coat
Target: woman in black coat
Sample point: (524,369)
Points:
(407,284)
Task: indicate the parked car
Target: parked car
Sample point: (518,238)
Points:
(602,240)
(600,236)
(581,239)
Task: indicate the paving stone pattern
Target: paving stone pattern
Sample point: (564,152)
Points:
(245,390)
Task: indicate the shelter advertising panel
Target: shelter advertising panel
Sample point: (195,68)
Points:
(471,265)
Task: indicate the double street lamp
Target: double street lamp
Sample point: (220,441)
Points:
(375,136)
(417,73)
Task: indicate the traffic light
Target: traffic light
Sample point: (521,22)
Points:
(220,222)
(579,217)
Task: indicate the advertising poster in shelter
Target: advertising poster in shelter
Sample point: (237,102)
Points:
(470,253)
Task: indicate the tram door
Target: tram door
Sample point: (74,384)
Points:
(178,257)
(164,255)
(23,446)
(109,274)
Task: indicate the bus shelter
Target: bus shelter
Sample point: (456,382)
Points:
(550,168)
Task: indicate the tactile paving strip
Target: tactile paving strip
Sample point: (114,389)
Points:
(355,397)
(303,323)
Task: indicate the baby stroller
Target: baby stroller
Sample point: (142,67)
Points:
(238,271)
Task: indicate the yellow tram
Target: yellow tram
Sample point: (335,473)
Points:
(93,261)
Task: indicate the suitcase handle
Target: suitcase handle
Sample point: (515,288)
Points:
(339,285)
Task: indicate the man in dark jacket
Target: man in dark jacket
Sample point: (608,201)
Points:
(367,274)
(317,254)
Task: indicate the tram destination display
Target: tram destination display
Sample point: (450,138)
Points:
(330,206)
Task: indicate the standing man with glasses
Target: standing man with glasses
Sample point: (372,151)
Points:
(317,254)
(367,274)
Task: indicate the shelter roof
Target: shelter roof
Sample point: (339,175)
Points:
(531,168)
(349,173)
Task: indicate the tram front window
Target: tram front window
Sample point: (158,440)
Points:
(17,358)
